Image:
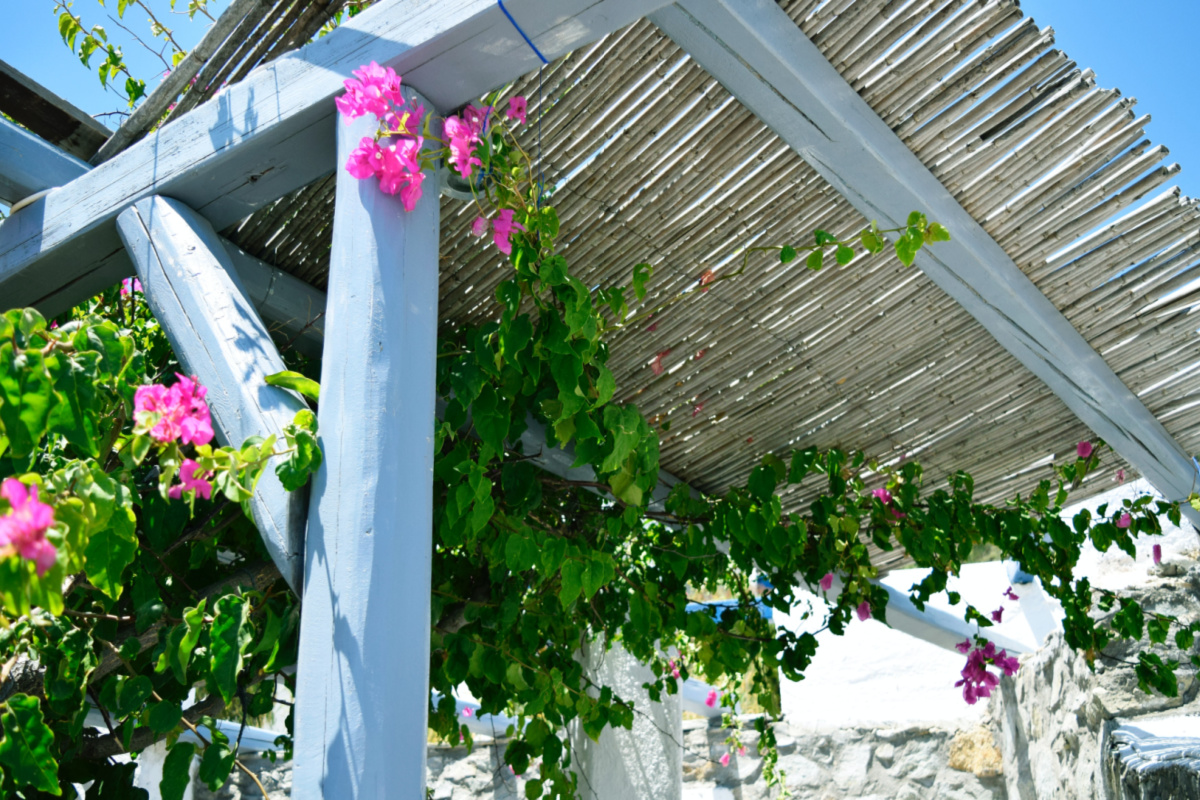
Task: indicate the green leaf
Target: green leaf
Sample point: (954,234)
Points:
(176,772)
(787,253)
(27,749)
(164,717)
(110,551)
(844,255)
(937,232)
(815,260)
(181,641)
(230,638)
(216,764)
(871,241)
(641,274)
(572,582)
(296,382)
(906,249)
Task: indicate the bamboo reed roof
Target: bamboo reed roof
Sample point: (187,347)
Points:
(654,161)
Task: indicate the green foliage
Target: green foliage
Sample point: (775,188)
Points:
(151,597)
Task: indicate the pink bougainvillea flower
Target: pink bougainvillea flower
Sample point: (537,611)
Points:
(517,108)
(1084,449)
(24,527)
(181,411)
(742,750)
(1010,594)
(130,285)
(977,681)
(673,668)
(826,582)
(476,118)
(863,611)
(1124,521)
(364,160)
(656,365)
(706,277)
(462,145)
(479,227)
(697,408)
(725,760)
(998,614)
(898,514)
(1120,476)
(190,480)
(468,711)
(1158,554)
(883,495)
(700,353)
(405,121)
(376,91)
(963,646)
(410,192)
(502,229)
(711,700)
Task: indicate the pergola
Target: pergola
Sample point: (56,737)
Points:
(675,133)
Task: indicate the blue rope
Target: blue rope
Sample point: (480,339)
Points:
(541,185)
(528,41)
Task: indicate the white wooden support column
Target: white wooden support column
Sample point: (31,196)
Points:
(363,680)
(193,290)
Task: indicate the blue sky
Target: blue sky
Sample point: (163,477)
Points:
(1146,49)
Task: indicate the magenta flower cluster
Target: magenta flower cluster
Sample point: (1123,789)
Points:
(23,528)
(977,681)
(395,159)
(179,413)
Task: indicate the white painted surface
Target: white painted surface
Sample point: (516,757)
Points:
(362,677)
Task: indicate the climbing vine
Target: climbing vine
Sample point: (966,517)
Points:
(139,602)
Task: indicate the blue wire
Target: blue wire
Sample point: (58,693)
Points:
(528,41)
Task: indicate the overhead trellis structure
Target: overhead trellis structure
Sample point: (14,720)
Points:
(1061,310)
(653,160)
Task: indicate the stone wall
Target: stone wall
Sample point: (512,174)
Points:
(909,763)
(912,763)
(1057,717)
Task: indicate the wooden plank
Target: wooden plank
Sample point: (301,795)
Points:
(273,132)
(48,115)
(194,292)
(30,164)
(293,309)
(363,682)
(766,62)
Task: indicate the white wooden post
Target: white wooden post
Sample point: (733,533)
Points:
(363,681)
(196,294)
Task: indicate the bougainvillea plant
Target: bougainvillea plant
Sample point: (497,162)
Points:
(139,601)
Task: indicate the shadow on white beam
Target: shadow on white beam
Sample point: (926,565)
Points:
(293,308)
(194,293)
(760,55)
(273,132)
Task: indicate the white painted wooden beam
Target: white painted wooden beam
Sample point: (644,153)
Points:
(273,132)
(756,52)
(291,307)
(196,295)
(29,164)
(363,680)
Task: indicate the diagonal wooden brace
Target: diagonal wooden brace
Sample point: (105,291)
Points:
(195,293)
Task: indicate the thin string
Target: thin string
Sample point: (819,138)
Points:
(528,41)
(541,187)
